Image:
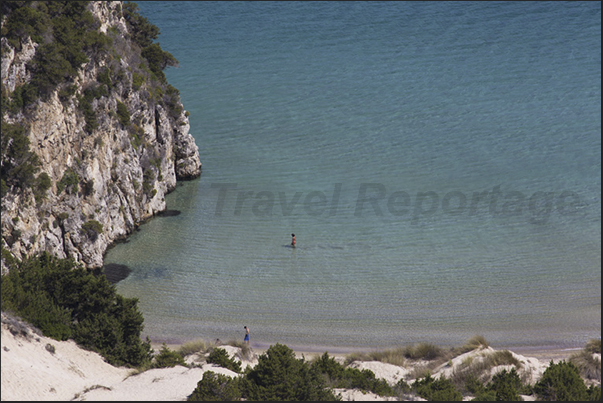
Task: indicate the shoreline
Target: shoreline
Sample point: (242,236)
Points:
(543,353)
(38,368)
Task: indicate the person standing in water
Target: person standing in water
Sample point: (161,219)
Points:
(246,339)
(293,240)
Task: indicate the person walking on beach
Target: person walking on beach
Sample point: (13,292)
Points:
(246,339)
(293,240)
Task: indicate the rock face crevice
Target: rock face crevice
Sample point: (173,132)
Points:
(104,182)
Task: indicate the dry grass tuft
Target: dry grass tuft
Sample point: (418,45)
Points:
(480,368)
(394,357)
(424,351)
(194,347)
(246,353)
(20,328)
(593,346)
(587,363)
(473,343)
(502,357)
(419,371)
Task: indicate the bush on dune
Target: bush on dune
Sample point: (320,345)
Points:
(168,358)
(277,376)
(562,381)
(441,389)
(216,387)
(64,300)
(220,357)
(280,376)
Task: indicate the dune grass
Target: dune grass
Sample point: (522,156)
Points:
(393,356)
(479,368)
(473,343)
(424,351)
(421,351)
(195,346)
(246,353)
(589,365)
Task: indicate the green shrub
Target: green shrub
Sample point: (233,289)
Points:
(441,389)
(66,92)
(64,300)
(23,22)
(104,77)
(69,181)
(280,376)
(137,80)
(122,114)
(365,380)
(216,387)
(88,188)
(73,36)
(220,357)
(142,31)
(19,164)
(350,378)
(85,103)
(43,183)
(3,187)
(506,385)
(92,228)
(89,115)
(148,177)
(158,60)
(401,388)
(168,358)
(594,393)
(22,96)
(172,102)
(485,396)
(328,367)
(561,381)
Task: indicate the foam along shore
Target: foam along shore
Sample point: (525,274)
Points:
(35,367)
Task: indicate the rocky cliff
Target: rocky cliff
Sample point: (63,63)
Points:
(112,139)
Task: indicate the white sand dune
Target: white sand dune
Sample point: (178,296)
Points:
(35,367)
(32,371)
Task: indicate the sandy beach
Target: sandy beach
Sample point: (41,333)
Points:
(35,367)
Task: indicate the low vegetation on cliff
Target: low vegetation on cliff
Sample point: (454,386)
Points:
(67,36)
(93,135)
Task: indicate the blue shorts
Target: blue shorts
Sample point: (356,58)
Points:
(246,338)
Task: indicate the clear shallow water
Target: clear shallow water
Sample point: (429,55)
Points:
(440,109)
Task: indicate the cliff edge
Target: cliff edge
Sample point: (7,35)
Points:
(93,136)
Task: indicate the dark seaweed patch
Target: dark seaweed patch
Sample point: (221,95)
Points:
(116,272)
(169,213)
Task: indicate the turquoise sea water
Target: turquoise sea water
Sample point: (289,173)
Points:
(440,165)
